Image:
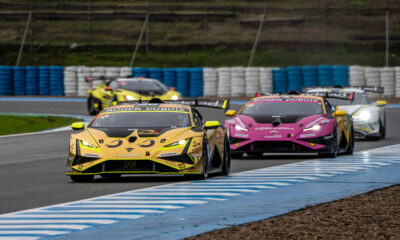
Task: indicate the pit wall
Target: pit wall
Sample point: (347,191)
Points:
(195,82)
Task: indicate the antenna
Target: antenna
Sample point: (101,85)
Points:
(140,90)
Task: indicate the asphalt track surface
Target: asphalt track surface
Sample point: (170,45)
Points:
(33,166)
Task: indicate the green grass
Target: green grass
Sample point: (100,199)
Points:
(24,124)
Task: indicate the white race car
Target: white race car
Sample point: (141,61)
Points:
(368,117)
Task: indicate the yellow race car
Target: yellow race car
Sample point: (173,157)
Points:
(127,89)
(155,137)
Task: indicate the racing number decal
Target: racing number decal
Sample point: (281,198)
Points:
(129,164)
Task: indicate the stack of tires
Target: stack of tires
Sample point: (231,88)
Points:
(32,78)
(19,81)
(169,75)
(238,83)
(310,76)
(126,72)
(182,81)
(372,78)
(83,86)
(388,81)
(6,80)
(210,82)
(44,81)
(112,72)
(224,82)
(341,75)
(156,73)
(295,80)
(325,75)
(356,76)
(196,82)
(266,85)
(141,72)
(56,81)
(97,73)
(397,73)
(252,76)
(280,80)
(71,81)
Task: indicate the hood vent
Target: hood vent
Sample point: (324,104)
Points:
(116,132)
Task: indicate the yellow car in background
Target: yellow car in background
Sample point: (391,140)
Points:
(127,89)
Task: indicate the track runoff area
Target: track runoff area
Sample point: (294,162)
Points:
(169,207)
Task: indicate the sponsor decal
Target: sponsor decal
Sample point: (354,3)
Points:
(128,155)
(168,154)
(147,143)
(196,155)
(231,121)
(274,128)
(91,155)
(314,122)
(138,109)
(273,136)
(129,149)
(307,135)
(147,153)
(241,135)
(114,144)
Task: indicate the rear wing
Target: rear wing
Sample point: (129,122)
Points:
(218,104)
(373,89)
(338,95)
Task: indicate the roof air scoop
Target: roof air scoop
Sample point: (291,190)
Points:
(276,122)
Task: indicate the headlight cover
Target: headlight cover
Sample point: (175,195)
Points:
(129,98)
(240,128)
(316,127)
(178,143)
(86,144)
(364,115)
(175,97)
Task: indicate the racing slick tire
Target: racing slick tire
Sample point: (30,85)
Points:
(82,178)
(90,104)
(350,149)
(334,147)
(226,164)
(236,155)
(382,127)
(204,161)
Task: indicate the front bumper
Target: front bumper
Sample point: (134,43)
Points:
(363,129)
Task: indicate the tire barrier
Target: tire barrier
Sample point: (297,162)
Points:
(397,74)
(325,75)
(252,76)
(83,86)
(32,79)
(280,80)
(169,75)
(210,82)
(182,81)
(156,73)
(310,76)
(71,81)
(6,80)
(340,75)
(97,72)
(388,81)
(224,82)
(266,85)
(196,82)
(44,81)
(56,81)
(295,79)
(238,81)
(372,78)
(19,81)
(140,72)
(357,76)
(126,72)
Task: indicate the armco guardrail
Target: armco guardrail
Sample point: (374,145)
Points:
(195,82)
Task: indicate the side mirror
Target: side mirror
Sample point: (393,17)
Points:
(340,113)
(108,88)
(230,113)
(78,125)
(381,103)
(172,88)
(211,124)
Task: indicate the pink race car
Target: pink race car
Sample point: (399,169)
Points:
(289,124)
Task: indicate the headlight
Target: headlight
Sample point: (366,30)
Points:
(175,97)
(240,128)
(316,127)
(86,144)
(363,115)
(129,98)
(178,143)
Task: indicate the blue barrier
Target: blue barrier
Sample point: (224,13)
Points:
(325,75)
(280,80)
(156,73)
(141,72)
(310,76)
(44,80)
(196,82)
(31,81)
(56,81)
(295,79)
(6,80)
(183,81)
(19,81)
(169,77)
(341,75)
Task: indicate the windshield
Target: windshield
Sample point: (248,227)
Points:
(142,120)
(279,106)
(358,99)
(146,87)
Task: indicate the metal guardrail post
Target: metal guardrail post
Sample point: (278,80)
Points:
(139,40)
(260,27)
(24,38)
